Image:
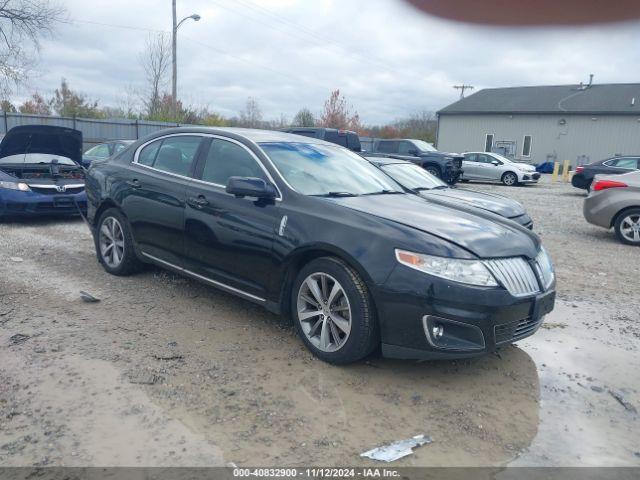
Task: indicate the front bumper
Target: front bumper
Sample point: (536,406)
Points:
(529,177)
(17,203)
(475,320)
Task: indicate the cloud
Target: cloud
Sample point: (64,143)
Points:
(388,59)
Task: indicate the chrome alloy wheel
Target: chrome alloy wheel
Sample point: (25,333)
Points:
(630,228)
(324,312)
(111,240)
(509,179)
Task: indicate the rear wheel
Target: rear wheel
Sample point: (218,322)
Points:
(114,244)
(627,227)
(332,311)
(510,179)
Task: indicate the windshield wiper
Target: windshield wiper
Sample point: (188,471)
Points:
(383,192)
(336,194)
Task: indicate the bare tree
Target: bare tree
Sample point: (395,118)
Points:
(23,23)
(251,116)
(156,61)
(337,114)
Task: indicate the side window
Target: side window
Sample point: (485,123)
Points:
(227,159)
(176,154)
(119,147)
(405,147)
(471,157)
(388,147)
(148,154)
(631,163)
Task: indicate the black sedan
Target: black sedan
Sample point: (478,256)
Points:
(583,176)
(312,230)
(417,180)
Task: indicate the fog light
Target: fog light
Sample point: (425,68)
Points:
(437,331)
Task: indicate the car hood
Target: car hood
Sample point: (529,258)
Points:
(494,203)
(44,139)
(481,235)
(444,154)
(525,166)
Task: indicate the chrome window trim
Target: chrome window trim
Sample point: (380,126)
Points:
(197,180)
(215,283)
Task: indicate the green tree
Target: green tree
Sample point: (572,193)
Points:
(68,103)
(304,118)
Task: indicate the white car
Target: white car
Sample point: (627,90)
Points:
(493,167)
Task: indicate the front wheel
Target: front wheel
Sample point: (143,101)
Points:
(435,171)
(114,244)
(627,227)
(332,311)
(510,179)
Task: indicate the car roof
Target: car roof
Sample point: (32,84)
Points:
(386,160)
(252,134)
(313,129)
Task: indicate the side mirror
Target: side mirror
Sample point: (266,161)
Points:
(251,187)
(413,151)
(495,162)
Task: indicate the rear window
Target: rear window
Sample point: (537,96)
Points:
(387,147)
(334,136)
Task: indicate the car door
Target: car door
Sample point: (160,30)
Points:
(470,166)
(155,193)
(229,240)
(488,170)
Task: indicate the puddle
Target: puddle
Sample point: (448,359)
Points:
(581,423)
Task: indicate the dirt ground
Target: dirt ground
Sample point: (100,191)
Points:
(166,371)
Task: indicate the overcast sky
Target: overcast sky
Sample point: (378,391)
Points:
(388,59)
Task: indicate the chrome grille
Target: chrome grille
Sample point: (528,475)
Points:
(514,274)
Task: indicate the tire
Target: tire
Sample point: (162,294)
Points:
(112,220)
(624,227)
(320,333)
(433,170)
(588,187)
(510,179)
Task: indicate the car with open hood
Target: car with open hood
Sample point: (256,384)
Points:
(315,232)
(420,182)
(41,172)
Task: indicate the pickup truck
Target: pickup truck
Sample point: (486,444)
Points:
(345,138)
(446,166)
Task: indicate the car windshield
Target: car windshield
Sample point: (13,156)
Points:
(412,176)
(313,169)
(424,146)
(35,159)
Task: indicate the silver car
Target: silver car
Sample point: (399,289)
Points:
(614,201)
(493,167)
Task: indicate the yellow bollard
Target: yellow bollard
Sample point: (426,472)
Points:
(565,170)
(556,168)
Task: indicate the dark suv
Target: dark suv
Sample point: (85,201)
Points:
(345,138)
(446,166)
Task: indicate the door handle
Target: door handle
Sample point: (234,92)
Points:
(134,183)
(198,202)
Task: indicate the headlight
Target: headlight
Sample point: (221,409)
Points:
(545,265)
(23,187)
(471,272)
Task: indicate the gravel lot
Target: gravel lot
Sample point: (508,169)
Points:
(165,371)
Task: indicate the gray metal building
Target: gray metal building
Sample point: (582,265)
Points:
(580,123)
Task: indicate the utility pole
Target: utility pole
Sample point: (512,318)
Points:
(462,88)
(174,56)
(174,59)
